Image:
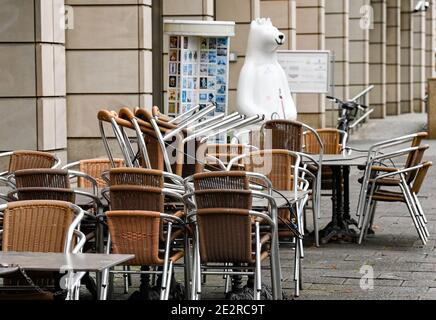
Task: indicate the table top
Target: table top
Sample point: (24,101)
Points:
(352,160)
(280,201)
(61,261)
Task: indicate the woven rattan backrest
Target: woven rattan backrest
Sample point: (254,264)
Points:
(283,134)
(130,197)
(136,176)
(135,232)
(36,226)
(30,160)
(95,168)
(420,177)
(221,180)
(331,139)
(225,235)
(47,178)
(223,198)
(224,152)
(276,165)
(59,194)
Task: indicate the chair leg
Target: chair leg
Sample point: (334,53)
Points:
(366,217)
(412,212)
(187,268)
(168,285)
(126,280)
(258,272)
(296,270)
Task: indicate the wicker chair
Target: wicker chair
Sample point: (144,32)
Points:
(94,168)
(40,226)
(135,227)
(23,159)
(222,199)
(389,176)
(215,157)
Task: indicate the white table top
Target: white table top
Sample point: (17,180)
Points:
(61,261)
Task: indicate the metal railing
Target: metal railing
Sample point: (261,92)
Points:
(362,116)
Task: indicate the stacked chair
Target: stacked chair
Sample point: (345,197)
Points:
(40,226)
(229,238)
(395,172)
(139,224)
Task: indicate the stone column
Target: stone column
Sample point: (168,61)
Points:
(242,12)
(430,46)
(359,46)
(109,65)
(337,41)
(419,61)
(377,39)
(432,108)
(406,56)
(32,77)
(393,58)
(311,36)
(283,16)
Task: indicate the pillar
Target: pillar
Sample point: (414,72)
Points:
(377,39)
(393,58)
(311,36)
(359,47)
(337,41)
(406,56)
(419,61)
(32,77)
(109,65)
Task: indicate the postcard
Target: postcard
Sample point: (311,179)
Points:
(203,43)
(222,42)
(222,60)
(222,52)
(220,80)
(173,68)
(204,56)
(221,89)
(174,42)
(171,107)
(173,55)
(212,71)
(221,71)
(172,82)
(212,43)
(172,95)
(203,83)
(203,69)
(221,99)
(212,56)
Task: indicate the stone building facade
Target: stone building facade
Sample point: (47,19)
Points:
(111,54)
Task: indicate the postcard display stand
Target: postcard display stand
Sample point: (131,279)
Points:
(198,65)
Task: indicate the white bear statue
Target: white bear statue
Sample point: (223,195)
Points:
(263,87)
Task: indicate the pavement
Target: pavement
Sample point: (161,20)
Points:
(392,264)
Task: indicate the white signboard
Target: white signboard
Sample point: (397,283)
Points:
(307,71)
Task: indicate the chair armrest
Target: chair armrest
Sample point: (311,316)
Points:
(74,173)
(384,169)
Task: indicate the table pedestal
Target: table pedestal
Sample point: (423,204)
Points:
(339,228)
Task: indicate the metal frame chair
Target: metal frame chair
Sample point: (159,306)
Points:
(409,190)
(44,226)
(278,180)
(379,149)
(128,205)
(414,157)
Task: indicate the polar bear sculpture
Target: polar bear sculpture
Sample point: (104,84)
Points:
(263,87)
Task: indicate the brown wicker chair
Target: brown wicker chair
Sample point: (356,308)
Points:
(94,168)
(216,156)
(135,227)
(24,159)
(225,223)
(39,226)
